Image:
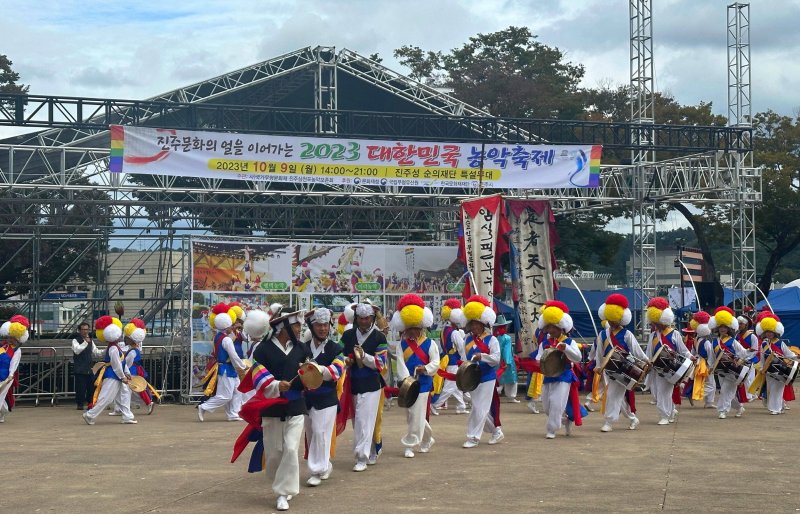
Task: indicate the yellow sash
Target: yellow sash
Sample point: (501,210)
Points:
(701,374)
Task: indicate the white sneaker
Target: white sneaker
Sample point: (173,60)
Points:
(87,419)
(568,428)
(663,421)
(373,459)
(150,408)
(462,411)
(740,412)
(673,416)
(532,407)
(115,413)
(786,406)
(283,503)
(313,481)
(652,402)
(710,406)
(327,473)
(606,428)
(237,418)
(409,453)
(588,406)
(128,422)
(497,436)
(634,424)
(722,415)
(434,411)
(550,435)
(514,400)
(425,448)
(360,466)
(470,443)
(200,413)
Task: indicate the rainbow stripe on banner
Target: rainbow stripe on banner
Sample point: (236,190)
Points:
(117,148)
(594,166)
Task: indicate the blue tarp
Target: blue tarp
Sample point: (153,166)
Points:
(786,304)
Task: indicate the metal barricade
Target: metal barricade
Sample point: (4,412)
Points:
(162,364)
(41,373)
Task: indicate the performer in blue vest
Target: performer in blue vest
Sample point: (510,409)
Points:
(661,318)
(418,356)
(12,334)
(725,324)
(452,352)
(229,360)
(556,391)
(749,340)
(704,350)
(770,329)
(617,338)
(114,375)
(482,347)
(322,402)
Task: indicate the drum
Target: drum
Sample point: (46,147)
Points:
(671,366)
(310,375)
(97,367)
(408,392)
(137,384)
(553,362)
(626,369)
(243,372)
(730,367)
(468,376)
(784,370)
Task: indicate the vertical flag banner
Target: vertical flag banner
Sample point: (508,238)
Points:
(480,219)
(533,261)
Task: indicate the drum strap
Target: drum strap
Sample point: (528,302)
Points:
(667,341)
(422,356)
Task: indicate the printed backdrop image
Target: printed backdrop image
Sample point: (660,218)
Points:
(423,269)
(338,269)
(246,267)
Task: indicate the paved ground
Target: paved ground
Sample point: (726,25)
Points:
(170,462)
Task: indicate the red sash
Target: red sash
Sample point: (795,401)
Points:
(667,341)
(418,351)
(480,344)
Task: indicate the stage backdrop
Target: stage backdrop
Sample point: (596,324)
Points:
(307,275)
(187,153)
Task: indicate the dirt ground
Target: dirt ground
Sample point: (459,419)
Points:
(170,462)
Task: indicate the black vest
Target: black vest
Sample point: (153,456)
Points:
(325,395)
(284,367)
(83,361)
(363,380)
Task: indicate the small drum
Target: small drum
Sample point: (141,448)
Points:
(553,362)
(671,366)
(730,367)
(784,370)
(137,384)
(468,376)
(408,392)
(626,369)
(243,372)
(97,367)
(310,375)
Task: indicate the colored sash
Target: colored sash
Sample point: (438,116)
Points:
(481,345)
(414,347)
(667,341)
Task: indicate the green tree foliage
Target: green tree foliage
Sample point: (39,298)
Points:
(9,78)
(508,73)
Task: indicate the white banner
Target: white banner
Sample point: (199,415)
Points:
(231,156)
(530,234)
(481,220)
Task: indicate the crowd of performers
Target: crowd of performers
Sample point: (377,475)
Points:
(289,386)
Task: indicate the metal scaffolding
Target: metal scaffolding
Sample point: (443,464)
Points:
(66,166)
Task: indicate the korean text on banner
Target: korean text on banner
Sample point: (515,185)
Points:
(185,153)
(480,219)
(532,234)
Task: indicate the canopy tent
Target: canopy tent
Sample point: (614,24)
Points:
(786,304)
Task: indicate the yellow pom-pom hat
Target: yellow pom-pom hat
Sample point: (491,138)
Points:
(723,317)
(411,312)
(478,308)
(108,329)
(135,329)
(769,323)
(658,311)
(555,313)
(453,313)
(615,309)
(699,323)
(18,328)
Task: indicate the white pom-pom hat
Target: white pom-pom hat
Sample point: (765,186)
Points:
(411,312)
(769,323)
(479,308)
(256,325)
(555,313)
(658,311)
(723,317)
(615,309)
(699,323)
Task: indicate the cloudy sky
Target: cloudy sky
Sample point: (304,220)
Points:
(139,49)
